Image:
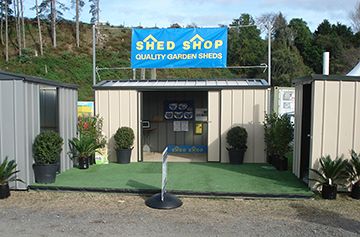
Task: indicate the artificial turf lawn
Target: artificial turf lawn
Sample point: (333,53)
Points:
(194,177)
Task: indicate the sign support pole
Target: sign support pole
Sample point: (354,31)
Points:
(163,200)
(94,53)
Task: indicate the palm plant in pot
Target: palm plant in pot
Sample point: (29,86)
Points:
(236,137)
(46,151)
(354,174)
(7,174)
(330,175)
(82,149)
(124,140)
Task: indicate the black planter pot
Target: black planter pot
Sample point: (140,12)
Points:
(45,173)
(280,164)
(355,191)
(123,156)
(4,191)
(270,159)
(84,163)
(236,156)
(329,191)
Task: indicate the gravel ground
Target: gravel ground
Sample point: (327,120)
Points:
(103,214)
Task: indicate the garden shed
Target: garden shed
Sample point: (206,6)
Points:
(29,105)
(190,116)
(327,119)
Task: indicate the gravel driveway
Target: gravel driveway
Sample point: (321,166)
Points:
(99,214)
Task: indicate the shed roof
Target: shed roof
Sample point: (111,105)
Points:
(38,80)
(182,84)
(315,77)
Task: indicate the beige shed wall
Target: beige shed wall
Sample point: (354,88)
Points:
(213,126)
(335,121)
(246,108)
(118,108)
(297,129)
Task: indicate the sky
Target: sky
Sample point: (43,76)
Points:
(210,13)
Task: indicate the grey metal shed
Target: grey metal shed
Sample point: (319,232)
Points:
(29,105)
(327,119)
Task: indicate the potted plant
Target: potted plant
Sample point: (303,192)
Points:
(46,151)
(92,126)
(269,124)
(82,149)
(282,136)
(330,175)
(124,140)
(354,174)
(7,174)
(236,137)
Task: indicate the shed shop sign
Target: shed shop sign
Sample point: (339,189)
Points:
(179,48)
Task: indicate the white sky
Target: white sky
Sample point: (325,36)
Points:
(163,13)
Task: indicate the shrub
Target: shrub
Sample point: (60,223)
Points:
(331,172)
(237,138)
(92,127)
(47,147)
(354,168)
(278,134)
(124,138)
(7,172)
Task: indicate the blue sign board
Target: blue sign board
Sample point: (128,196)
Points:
(179,48)
(187,149)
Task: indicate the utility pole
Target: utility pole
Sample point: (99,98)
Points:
(269,53)
(94,53)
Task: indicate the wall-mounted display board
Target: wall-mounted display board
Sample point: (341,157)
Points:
(179,110)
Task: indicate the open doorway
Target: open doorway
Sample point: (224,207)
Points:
(177,119)
(306,132)
(49,108)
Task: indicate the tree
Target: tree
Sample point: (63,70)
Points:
(22,23)
(48,10)
(79,4)
(6,32)
(17,24)
(39,27)
(175,25)
(95,11)
(355,17)
(3,15)
(246,47)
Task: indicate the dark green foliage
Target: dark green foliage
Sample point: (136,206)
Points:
(331,172)
(7,171)
(83,147)
(354,168)
(124,138)
(236,137)
(47,147)
(279,133)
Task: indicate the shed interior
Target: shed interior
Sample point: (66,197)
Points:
(165,123)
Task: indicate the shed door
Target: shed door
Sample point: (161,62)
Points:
(305,132)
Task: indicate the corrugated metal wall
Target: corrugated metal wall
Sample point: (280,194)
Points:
(214,126)
(20,123)
(67,122)
(118,108)
(336,118)
(247,108)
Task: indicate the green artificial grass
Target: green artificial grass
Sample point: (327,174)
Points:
(191,177)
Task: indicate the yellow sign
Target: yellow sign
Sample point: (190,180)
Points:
(198,128)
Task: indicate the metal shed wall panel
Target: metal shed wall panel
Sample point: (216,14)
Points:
(118,108)
(246,108)
(67,123)
(213,126)
(335,122)
(19,124)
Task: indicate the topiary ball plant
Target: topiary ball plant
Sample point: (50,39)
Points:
(47,147)
(124,138)
(237,138)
